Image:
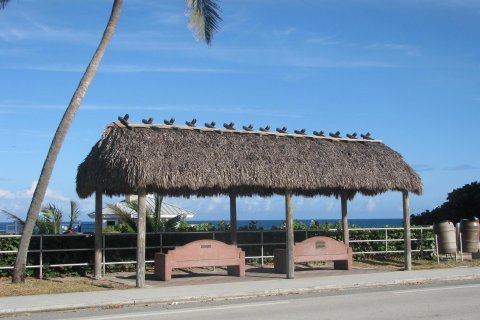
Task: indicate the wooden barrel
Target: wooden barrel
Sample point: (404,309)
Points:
(469,230)
(447,237)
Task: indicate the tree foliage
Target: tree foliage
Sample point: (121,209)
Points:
(462,203)
(154,221)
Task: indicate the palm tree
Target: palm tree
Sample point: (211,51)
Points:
(49,220)
(204,20)
(74,213)
(154,222)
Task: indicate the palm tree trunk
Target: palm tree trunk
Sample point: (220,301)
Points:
(40,190)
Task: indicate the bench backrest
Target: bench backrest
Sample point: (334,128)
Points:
(318,246)
(205,250)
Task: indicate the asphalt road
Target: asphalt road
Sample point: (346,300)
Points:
(449,300)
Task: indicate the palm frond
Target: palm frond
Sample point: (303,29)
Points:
(3,3)
(13,216)
(157,211)
(124,216)
(204,18)
(171,224)
(53,215)
(74,213)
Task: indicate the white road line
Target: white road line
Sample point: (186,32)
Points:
(438,289)
(190,310)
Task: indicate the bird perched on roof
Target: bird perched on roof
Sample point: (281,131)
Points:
(352,136)
(282,130)
(249,128)
(319,134)
(210,125)
(191,123)
(366,136)
(266,129)
(302,132)
(169,122)
(149,121)
(229,126)
(335,135)
(124,120)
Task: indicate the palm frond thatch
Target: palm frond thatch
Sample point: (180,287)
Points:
(206,163)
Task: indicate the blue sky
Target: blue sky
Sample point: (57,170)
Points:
(407,71)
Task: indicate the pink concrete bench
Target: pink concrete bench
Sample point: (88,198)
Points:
(198,254)
(316,249)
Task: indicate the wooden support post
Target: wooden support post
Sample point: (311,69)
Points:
(290,267)
(98,235)
(141,225)
(406,230)
(233,218)
(346,235)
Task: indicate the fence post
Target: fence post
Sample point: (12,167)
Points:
(421,242)
(103,256)
(261,246)
(386,241)
(161,242)
(41,257)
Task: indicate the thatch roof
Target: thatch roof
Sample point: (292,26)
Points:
(203,162)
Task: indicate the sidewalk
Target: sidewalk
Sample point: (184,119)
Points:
(247,287)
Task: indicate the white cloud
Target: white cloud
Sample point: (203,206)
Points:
(371,204)
(331,205)
(18,201)
(5,194)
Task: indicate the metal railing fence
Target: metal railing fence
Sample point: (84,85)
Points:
(258,244)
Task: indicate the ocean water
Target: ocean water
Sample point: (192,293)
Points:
(89,226)
(269,224)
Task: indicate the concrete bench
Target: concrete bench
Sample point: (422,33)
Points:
(316,249)
(200,253)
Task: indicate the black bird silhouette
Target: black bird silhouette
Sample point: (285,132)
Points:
(229,126)
(352,136)
(169,122)
(149,121)
(282,130)
(210,125)
(366,136)
(319,134)
(300,131)
(335,135)
(266,129)
(191,123)
(249,128)
(124,120)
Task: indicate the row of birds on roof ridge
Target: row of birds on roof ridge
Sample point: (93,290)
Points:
(231,126)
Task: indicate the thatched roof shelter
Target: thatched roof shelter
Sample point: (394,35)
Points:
(181,161)
(186,161)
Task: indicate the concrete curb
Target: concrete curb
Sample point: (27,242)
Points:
(122,302)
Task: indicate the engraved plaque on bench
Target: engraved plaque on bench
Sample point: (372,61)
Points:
(320,244)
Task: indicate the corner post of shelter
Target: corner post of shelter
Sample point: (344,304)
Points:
(98,235)
(141,226)
(346,236)
(233,218)
(290,263)
(406,228)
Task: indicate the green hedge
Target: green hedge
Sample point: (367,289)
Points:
(248,241)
